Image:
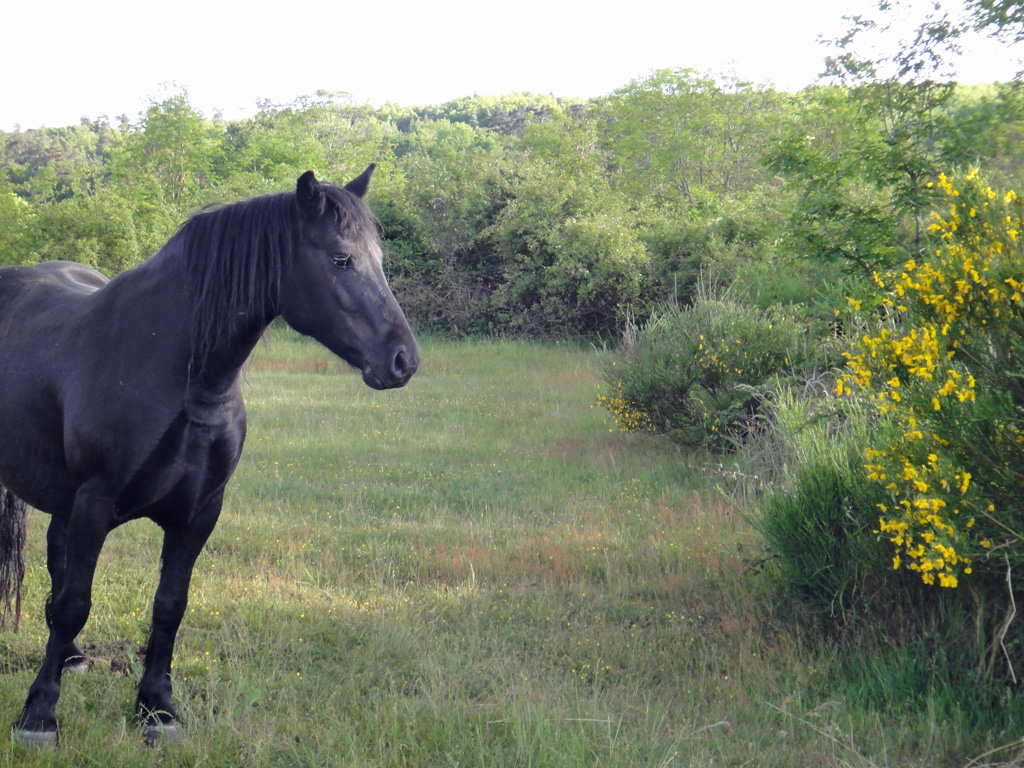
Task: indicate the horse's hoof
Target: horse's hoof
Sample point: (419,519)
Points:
(76,664)
(158,733)
(36,738)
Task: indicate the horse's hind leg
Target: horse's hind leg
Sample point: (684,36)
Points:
(56,561)
(67,612)
(177,559)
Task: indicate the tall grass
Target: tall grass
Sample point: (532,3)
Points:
(479,569)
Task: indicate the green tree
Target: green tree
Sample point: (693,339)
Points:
(571,259)
(55,163)
(859,160)
(507,115)
(98,230)
(677,135)
(16,224)
(931,51)
(1001,17)
(433,215)
(171,156)
(684,151)
(988,130)
(861,155)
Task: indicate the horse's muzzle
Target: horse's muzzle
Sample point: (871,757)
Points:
(397,371)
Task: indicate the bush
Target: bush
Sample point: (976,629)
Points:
(571,262)
(820,531)
(944,371)
(826,553)
(906,510)
(16,219)
(699,373)
(100,231)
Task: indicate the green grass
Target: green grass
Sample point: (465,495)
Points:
(477,570)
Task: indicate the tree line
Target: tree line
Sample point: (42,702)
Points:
(534,215)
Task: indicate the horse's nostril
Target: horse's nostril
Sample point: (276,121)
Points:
(404,363)
(401,363)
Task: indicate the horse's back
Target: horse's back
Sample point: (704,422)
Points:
(39,300)
(44,285)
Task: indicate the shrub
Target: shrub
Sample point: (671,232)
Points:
(929,407)
(571,262)
(819,516)
(698,373)
(944,374)
(15,218)
(820,532)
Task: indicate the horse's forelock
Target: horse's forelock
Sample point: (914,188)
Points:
(351,213)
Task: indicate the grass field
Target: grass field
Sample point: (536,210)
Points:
(477,570)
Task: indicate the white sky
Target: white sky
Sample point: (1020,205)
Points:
(61,60)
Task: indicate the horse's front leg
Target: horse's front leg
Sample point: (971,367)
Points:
(56,562)
(180,551)
(68,609)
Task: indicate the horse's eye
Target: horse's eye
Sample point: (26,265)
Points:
(341,260)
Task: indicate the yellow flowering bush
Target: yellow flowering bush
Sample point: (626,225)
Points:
(944,372)
(628,416)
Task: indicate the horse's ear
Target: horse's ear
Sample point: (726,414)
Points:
(310,195)
(359,186)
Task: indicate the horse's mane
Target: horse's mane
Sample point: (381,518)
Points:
(235,257)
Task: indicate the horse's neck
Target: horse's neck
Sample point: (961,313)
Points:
(223,364)
(217,368)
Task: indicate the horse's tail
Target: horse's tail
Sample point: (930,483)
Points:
(12,556)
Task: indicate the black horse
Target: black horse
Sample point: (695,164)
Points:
(121,399)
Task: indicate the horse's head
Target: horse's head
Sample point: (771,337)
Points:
(335,290)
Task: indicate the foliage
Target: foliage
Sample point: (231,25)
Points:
(729,239)
(531,215)
(175,150)
(675,135)
(859,158)
(861,150)
(51,165)
(97,230)
(1002,17)
(571,263)
(819,527)
(819,519)
(944,373)
(508,115)
(700,373)
(16,225)
(434,217)
(929,53)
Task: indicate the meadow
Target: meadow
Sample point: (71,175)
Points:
(476,570)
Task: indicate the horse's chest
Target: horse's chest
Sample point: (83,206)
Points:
(191,462)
